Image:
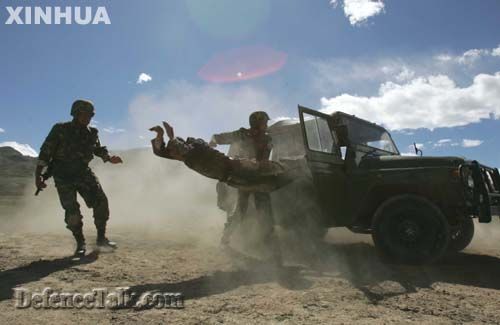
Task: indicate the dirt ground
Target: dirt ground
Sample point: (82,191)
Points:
(349,286)
(168,234)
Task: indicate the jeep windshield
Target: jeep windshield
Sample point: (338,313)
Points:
(370,139)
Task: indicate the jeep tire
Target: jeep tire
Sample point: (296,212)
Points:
(461,235)
(410,229)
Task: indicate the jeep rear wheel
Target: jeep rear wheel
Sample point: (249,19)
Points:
(410,229)
(461,235)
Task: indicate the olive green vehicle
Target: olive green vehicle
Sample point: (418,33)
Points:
(353,175)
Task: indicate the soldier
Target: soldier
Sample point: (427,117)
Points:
(254,143)
(67,152)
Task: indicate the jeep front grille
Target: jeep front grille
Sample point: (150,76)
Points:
(487,191)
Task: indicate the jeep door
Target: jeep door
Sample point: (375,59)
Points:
(327,167)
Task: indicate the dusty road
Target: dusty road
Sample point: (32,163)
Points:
(350,286)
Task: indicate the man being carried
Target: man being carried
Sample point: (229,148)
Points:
(265,176)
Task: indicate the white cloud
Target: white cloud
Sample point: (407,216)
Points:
(444,57)
(442,143)
(24,149)
(469,57)
(358,11)
(328,75)
(431,102)
(468,143)
(496,52)
(2,130)
(405,132)
(472,56)
(405,74)
(113,130)
(143,78)
(411,150)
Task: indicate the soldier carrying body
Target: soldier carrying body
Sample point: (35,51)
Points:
(254,143)
(68,150)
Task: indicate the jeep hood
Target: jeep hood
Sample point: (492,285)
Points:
(409,162)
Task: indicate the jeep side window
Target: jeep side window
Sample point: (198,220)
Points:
(319,136)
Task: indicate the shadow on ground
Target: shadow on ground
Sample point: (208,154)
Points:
(220,282)
(10,279)
(360,264)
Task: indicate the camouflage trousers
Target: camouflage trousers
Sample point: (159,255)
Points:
(89,188)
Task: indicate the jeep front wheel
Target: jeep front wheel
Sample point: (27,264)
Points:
(410,229)
(461,235)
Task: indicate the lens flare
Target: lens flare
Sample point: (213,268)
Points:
(244,63)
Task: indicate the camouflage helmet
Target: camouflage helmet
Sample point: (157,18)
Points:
(257,117)
(82,105)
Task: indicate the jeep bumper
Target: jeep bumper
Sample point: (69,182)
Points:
(486,191)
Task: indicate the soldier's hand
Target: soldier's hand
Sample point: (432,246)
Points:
(115,160)
(40,184)
(159,131)
(170,130)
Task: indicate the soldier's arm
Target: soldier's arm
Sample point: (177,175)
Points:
(47,152)
(158,144)
(49,146)
(100,150)
(176,148)
(227,137)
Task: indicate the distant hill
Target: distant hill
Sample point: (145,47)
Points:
(16,174)
(16,171)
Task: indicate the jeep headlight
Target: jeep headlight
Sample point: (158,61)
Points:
(470,181)
(467,178)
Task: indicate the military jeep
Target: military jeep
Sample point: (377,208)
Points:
(353,175)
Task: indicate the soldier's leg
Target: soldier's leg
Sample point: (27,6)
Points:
(266,220)
(72,215)
(236,216)
(91,191)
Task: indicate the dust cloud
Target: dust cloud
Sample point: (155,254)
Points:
(148,195)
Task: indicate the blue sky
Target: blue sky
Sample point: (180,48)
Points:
(426,69)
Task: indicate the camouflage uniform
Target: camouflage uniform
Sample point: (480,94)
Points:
(264,176)
(246,144)
(249,144)
(69,148)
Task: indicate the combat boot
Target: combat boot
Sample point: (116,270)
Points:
(80,245)
(103,242)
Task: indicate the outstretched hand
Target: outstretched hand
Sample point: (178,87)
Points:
(169,129)
(159,131)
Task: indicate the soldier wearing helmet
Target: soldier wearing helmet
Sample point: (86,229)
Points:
(68,150)
(253,143)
